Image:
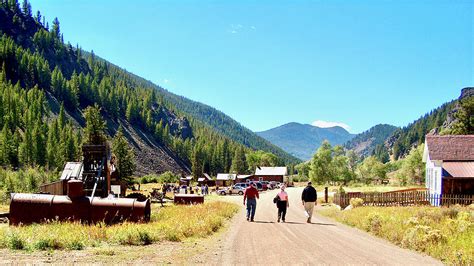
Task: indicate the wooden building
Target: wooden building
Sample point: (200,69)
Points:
(225,180)
(449,164)
(206,180)
(277,174)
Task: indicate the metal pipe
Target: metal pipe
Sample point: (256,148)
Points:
(38,208)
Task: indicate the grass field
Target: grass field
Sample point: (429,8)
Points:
(170,223)
(443,233)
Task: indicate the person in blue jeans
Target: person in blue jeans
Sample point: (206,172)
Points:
(251,195)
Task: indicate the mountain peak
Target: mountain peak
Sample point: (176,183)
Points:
(309,137)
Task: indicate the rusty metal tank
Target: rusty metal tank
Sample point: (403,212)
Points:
(39,208)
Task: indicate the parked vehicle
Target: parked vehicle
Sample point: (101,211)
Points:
(235,190)
(258,184)
(274,184)
(267,184)
(243,185)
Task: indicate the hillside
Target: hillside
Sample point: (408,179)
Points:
(302,140)
(440,120)
(167,132)
(364,143)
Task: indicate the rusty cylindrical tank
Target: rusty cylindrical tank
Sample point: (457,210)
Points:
(38,208)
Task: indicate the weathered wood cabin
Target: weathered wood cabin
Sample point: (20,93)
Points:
(449,164)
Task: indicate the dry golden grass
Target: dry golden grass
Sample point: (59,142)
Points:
(172,223)
(443,233)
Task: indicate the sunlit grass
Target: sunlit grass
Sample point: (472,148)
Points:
(443,233)
(172,223)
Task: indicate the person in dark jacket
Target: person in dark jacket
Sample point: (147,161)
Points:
(309,197)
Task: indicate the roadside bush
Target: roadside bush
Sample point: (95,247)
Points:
(75,245)
(373,223)
(420,237)
(15,242)
(47,243)
(426,216)
(462,223)
(451,212)
(356,202)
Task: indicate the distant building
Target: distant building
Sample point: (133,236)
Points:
(449,164)
(206,180)
(224,180)
(244,178)
(186,180)
(270,174)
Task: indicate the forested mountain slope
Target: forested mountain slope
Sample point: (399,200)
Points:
(39,73)
(454,117)
(364,143)
(302,140)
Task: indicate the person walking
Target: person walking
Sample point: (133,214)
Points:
(309,197)
(282,203)
(251,195)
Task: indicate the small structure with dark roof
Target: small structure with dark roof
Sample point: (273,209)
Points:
(449,164)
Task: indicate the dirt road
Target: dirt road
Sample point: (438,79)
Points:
(295,242)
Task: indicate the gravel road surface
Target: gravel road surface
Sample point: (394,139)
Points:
(295,242)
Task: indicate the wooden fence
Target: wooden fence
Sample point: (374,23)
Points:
(402,198)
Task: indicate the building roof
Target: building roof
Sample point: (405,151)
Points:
(206,176)
(450,147)
(271,171)
(71,170)
(459,169)
(243,176)
(201,179)
(226,176)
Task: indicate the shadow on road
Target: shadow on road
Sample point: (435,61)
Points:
(263,222)
(307,223)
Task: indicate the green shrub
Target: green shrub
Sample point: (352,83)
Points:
(16,242)
(420,237)
(145,238)
(47,243)
(373,223)
(75,245)
(356,202)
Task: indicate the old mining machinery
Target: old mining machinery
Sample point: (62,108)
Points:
(89,191)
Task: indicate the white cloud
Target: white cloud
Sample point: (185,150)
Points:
(253,27)
(236,28)
(166,81)
(325,124)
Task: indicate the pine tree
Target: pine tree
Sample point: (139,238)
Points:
(95,125)
(56,31)
(125,156)
(197,162)
(239,163)
(26,8)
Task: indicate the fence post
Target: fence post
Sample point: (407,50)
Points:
(326,194)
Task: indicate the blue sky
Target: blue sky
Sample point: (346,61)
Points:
(267,63)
